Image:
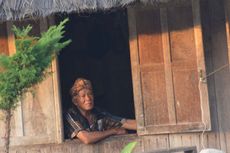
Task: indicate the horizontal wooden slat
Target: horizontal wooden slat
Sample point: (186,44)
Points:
(188,149)
(152,67)
(178,128)
(185,65)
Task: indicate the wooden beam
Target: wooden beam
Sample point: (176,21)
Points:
(11,39)
(57,92)
(135,66)
(167,66)
(18,112)
(205,110)
(227,18)
(175,150)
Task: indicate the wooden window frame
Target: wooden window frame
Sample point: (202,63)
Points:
(57,91)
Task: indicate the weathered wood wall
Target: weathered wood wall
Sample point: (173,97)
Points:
(35,120)
(116,143)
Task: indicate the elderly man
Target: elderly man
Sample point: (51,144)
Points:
(87,123)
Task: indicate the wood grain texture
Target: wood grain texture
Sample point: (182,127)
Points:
(220,57)
(167,66)
(184,65)
(152,67)
(116,143)
(134,58)
(18,116)
(34,121)
(227,23)
(169,55)
(201,64)
(56,89)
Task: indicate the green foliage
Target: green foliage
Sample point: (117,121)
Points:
(28,65)
(129,147)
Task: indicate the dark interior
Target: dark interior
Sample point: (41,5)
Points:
(99,52)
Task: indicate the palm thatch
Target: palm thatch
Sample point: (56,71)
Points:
(18,9)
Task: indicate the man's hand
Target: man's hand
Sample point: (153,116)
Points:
(129,124)
(120,131)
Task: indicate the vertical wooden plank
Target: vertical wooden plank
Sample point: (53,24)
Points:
(3,50)
(18,115)
(227,139)
(227,17)
(175,140)
(227,24)
(3,39)
(213,140)
(57,93)
(220,58)
(155,142)
(207,33)
(139,147)
(134,58)
(204,140)
(228,39)
(201,65)
(183,53)
(11,39)
(179,140)
(152,67)
(168,68)
(196,141)
(186,140)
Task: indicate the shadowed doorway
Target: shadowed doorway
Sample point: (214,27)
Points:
(99,52)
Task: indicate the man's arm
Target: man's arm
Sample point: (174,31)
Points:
(92,137)
(129,124)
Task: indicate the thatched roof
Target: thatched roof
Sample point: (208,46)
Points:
(18,9)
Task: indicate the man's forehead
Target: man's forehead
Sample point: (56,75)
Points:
(85,90)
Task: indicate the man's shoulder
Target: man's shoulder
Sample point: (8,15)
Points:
(72,111)
(102,113)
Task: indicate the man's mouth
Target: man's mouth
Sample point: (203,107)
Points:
(88,103)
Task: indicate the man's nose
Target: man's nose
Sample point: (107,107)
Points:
(87,96)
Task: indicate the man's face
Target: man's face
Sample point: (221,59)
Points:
(84,100)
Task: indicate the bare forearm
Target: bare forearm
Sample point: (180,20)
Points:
(130,124)
(92,137)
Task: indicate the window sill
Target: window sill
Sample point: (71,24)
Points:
(125,137)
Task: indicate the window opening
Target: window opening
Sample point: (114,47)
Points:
(99,52)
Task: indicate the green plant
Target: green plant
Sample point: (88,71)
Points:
(27,67)
(129,147)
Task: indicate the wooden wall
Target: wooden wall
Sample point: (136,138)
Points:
(35,120)
(116,143)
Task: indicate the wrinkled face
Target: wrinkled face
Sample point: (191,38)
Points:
(84,100)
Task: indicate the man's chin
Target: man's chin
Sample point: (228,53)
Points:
(89,107)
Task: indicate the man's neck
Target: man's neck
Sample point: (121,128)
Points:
(86,114)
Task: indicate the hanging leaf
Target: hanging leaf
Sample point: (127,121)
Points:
(129,147)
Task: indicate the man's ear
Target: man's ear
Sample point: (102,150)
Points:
(75,103)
